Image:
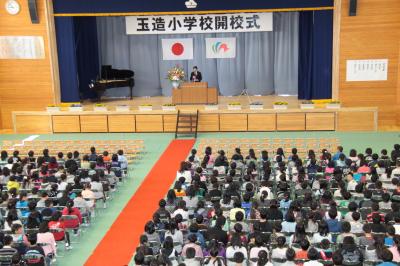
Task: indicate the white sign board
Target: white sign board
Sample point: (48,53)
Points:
(367,70)
(21,47)
(215,23)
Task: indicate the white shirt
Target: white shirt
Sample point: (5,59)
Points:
(230,253)
(186,174)
(99,189)
(313,263)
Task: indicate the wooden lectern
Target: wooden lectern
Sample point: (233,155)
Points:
(194,93)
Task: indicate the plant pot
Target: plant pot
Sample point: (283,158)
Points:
(214,107)
(168,108)
(100,108)
(53,109)
(256,107)
(234,107)
(145,108)
(75,108)
(306,106)
(333,106)
(280,107)
(122,108)
(175,84)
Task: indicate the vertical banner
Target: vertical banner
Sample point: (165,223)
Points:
(177,49)
(221,47)
(180,24)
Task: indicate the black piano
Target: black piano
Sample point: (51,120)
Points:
(112,78)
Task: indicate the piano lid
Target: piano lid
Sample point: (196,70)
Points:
(107,72)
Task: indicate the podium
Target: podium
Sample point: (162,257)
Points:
(194,93)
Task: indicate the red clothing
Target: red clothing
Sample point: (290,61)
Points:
(72,223)
(58,236)
(301,254)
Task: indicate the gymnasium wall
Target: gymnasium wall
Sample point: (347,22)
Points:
(373,34)
(25,84)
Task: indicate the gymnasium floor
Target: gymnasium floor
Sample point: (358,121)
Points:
(155,144)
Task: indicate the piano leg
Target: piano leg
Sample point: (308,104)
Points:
(131,92)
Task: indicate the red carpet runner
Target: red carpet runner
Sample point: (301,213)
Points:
(118,245)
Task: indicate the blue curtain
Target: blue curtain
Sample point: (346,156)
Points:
(315,54)
(69,82)
(87,56)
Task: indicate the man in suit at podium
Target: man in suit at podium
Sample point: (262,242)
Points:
(195,76)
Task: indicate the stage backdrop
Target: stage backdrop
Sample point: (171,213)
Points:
(265,63)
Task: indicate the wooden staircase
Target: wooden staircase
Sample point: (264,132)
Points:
(186,124)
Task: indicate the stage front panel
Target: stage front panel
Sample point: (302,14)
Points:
(94,123)
(169,123)
(26,124)
(356,121)
(66,124)
(320,121)
(291,122)
(261,122)
(121,123)
(208,122)
(233,122)
(149,123)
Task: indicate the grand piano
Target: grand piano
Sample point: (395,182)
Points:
(112,78)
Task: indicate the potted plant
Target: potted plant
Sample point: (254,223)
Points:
(176,75)
(99,107)
(256,106)
(307,105)
(76,107)
(52,108)
(122,108)
(211,107)
(169,107)
(280,105)
(235,106)
(145,107)
(334,104)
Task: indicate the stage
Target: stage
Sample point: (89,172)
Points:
(222,120)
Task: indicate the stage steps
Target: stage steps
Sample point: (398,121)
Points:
(186,124)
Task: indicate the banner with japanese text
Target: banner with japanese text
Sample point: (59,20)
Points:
(215,23)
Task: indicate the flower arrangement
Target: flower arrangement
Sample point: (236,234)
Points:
(76,105)
(176,74)
(234,106)
(145,107)
(168,107)
(169,104)
(53,108)
(333,104)
(307,105)
(281,103)
(100,107)
(256,106)
(122,107)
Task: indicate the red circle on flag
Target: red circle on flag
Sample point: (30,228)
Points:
(177,48)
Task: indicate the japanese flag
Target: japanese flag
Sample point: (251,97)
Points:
(177,49)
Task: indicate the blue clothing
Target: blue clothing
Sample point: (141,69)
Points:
(23,204)
(336,156)
(200,239)
(247,208)
(334,227)
(386,263)
(389,241)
